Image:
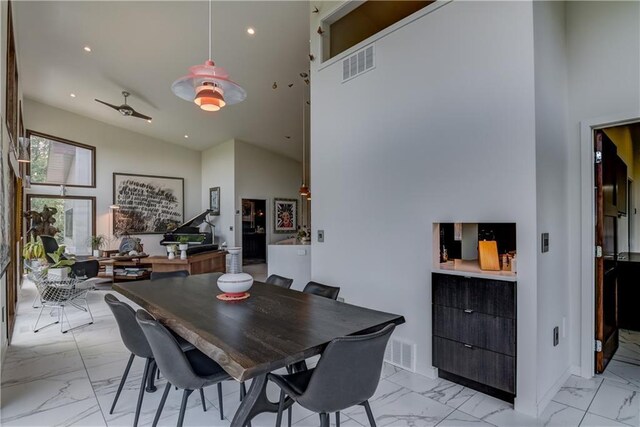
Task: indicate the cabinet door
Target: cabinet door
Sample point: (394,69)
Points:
(486,367)
(477,329)
(621,186)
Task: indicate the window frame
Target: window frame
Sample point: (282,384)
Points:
(30,132)
(55,196)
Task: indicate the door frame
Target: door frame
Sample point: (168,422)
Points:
(587,234)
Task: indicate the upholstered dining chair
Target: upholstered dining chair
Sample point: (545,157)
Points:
(136,342)
(347,374)
(319,289)
(283,282)
(188,371)
(157,275)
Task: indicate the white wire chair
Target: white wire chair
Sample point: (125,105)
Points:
(58,294)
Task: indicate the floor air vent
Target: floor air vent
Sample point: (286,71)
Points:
(401,353)
(358,63)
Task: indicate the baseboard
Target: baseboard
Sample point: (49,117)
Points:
(431,373)
(555,388)
(576,370)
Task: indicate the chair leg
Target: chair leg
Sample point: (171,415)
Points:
(243,391)
(161,406)
(158,375)
(338,419)
(183,406)
(324,420)
(367,408)
(220,401)
(290,414)
(204,405)
(122,381)
(145,373)
(151,387)
(280,409)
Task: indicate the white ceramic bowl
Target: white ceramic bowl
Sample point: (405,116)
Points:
(235,283)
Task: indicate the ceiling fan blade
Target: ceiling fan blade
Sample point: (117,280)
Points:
(109,105)
(140,115)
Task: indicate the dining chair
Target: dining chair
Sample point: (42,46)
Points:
(319,289)
(157,275)
(136,342)
(188,371)
(347,374)
(283,282)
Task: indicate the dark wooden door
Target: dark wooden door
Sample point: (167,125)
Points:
(606,272)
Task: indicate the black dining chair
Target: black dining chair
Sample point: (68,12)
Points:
(283,282)
(188,371)
(347,374)
(156,275)
(319,289)
(136,342)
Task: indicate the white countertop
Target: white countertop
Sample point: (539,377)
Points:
(471,268)
(292,242)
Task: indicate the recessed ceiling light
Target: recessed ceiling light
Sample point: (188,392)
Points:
(73,95)
(251,31)
(186,136)
(87,49)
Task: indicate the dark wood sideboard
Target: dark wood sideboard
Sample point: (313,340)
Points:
(474,333)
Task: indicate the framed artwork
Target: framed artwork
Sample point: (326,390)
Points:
(148,204)
(214,200)
(285,215)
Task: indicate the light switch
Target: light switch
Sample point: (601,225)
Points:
(320,235)
(545,242)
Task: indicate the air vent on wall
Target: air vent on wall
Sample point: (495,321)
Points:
(358,63)
(400,353)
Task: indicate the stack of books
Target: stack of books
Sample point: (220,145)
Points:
(131,271)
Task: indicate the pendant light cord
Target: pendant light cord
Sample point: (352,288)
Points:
(209,30)
(304,136)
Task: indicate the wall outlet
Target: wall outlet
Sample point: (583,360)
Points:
(320,235)
(556,336)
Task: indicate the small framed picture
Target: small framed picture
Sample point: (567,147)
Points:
(214,200)
(285,215)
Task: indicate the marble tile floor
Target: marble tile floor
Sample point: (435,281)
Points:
(53,379)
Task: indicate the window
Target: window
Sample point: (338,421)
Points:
(57,161)
(75,219)
(366,20)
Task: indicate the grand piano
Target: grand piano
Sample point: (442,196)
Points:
(192,229)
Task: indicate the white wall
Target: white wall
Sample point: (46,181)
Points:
(604,64)
(442,130)
(262,174)
(552,154)
(118,150)
(218,170)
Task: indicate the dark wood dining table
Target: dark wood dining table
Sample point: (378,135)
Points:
(273,328)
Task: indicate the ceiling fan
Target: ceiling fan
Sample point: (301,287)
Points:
(124,109)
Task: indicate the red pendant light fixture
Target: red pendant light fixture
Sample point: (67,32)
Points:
(208,85)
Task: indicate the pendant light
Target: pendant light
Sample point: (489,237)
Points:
(304,189)
(208,85)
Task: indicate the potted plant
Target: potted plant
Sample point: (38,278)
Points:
(97,243)
(33,251)
(59,270)
(183,246)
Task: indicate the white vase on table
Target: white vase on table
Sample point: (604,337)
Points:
(234,281)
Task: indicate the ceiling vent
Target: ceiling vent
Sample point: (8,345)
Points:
(401,353)
(358,63)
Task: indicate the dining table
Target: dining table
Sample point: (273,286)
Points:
(274,328)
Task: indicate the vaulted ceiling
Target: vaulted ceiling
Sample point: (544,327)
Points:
(142,47)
